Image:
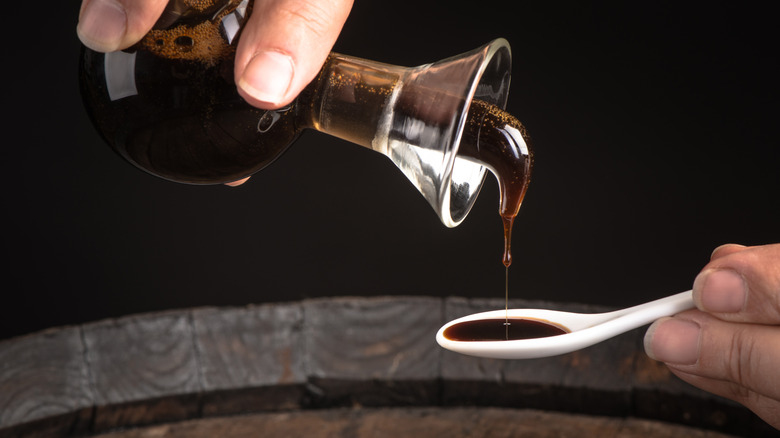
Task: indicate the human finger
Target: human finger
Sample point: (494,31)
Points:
(699,344)
(283,47)
(767,408)
(741,284)
(110,25)
(726,249)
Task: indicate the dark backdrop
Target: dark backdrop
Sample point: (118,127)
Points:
(655,137)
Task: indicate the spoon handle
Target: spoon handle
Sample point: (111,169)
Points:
(664,306)
(637,316)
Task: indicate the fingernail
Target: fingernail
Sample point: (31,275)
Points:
(674,341)
(267,77)
(102,25)
(720,291)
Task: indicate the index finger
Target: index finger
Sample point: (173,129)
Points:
(741,284)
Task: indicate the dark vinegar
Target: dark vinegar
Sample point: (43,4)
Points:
(498,330)
(169,104)
(501,143)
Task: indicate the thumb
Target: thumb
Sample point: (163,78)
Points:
(283,47)
(108,25)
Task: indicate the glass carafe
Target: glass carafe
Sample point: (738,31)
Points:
(169,106)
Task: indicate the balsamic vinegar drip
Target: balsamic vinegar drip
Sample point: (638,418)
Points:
(506,300)
(500,142)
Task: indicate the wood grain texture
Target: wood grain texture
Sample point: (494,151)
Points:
(171,367)
(386,338)
(419,422)
(141,357)
(372,352)
(143,369)
(255,346)
(251,359)
(43,377)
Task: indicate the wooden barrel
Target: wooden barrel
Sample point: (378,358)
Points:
(346,366)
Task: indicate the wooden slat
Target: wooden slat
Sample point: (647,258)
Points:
(373,351)
(250,358)
(43,377)
(143,369)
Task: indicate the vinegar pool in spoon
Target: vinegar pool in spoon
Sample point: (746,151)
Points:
(500,329)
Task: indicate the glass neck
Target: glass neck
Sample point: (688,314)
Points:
(350,99)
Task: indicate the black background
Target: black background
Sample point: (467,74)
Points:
(655,136)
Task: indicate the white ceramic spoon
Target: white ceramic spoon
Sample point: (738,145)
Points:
(585,329)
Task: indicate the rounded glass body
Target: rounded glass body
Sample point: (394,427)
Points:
(169,104)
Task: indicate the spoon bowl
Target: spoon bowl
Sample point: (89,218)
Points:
(584,329)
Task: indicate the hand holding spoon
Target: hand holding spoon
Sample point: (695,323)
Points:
(579,330)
